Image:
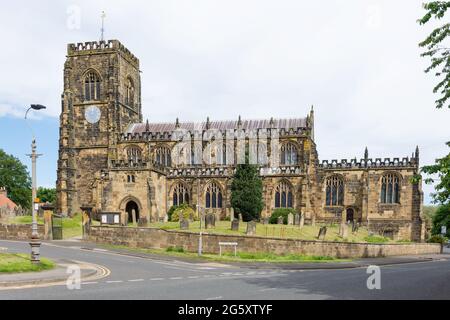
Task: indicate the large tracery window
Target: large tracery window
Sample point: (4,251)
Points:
(129,97)
(283,196)
(390,189)
(91,86)
(213,197)
(180,195)
(134,154)
(334,191)
(163,156)
(289,154)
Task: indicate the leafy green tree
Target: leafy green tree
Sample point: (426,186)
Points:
(441,218)
(441,168)
(246,192)
(439,53)
(47,195)
(14,176)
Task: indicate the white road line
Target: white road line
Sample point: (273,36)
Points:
(194,277)
(215,298)
(114,281)
(156,279)
(176,278)
(267,289)
(92,282)
(136,280)
(207,276)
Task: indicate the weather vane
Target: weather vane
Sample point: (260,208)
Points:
(103,16)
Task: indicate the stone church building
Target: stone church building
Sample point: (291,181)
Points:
(112,160)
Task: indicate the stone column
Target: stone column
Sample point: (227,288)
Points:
(86,220)
(48,212)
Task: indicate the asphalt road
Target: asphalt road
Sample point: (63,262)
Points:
(137,278)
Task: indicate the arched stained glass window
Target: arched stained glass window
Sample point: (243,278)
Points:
(289,154)
(91,86)
(283,196)
(180,195)
(390,189)
(213,196)
(334,191)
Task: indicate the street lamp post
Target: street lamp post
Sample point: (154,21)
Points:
(34,243)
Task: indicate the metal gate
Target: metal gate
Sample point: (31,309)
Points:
(57,227)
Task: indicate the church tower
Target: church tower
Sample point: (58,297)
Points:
(102,96)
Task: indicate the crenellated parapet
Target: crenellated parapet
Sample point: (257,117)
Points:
(92,47)
(369,163)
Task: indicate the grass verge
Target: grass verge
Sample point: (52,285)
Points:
(16,263)
(229,257)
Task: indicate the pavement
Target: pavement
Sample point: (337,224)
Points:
(135,277)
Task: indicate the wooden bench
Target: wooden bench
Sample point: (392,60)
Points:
(229,244)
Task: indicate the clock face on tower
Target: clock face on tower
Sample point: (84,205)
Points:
(92,114)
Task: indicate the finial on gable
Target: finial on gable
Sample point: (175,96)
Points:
(239,121)
(147,126)
(177,124)
(366,154)
(208,123)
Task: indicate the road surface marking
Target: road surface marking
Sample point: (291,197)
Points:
(136,280)
(114,281)
(194,277)
(156,279)
(176,278)
(215,298)
(92,282)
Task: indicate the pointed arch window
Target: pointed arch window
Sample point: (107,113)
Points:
(129,95)
(334,192)
(289,154)
(163,157)
(91,86)
(390,189)
(284,196)
(180,195)
(134,154)
(213,196)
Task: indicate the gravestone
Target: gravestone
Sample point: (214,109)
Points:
(142,222)
(133,215)
(232,217)
(165,218)
(322,233)
(355,227)
(184,224)
(280,220)
(235,225)
(313,220)
(297,219)
(265,221)
(240,217)
(345,231)
(302,220)
(210,221)
(290,219)
(251,228)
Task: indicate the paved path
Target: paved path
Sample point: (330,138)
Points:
(141,278)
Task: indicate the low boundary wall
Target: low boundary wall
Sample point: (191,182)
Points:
(160,239)
(18,231)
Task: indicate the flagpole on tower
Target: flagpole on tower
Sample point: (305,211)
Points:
(103,16)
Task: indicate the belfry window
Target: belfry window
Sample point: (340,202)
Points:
(129,97)
(390,189)
(283,196)
(180,195)
(288,154)
(213,197)
(91,86)
(334,191)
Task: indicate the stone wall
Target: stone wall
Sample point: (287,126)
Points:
(18,231)
(161,239)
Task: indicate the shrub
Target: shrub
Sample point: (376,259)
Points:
(439,238)
(175,249)
(376,239)
(186,211)
(283,212)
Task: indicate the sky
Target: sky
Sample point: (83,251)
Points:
(357,62)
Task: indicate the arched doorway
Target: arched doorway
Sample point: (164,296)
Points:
(131,208)
(350,215)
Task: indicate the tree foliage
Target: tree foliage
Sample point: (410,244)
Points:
(47,195)
(438,50)
(441,218)
(441,168)
(246,192)
(14,176)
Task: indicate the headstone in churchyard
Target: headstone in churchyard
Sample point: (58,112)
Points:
(302,220)
(290,219)
(280,220)
(251,228)
(235,225)
(341,228)
(232,217)
(297,219)
(355,227)
(210,220)
(133,215)
(184,224)
(322,233)
(143,222)
(345,231)
(165,218)
(240,217)
(265,220)
(313,220)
